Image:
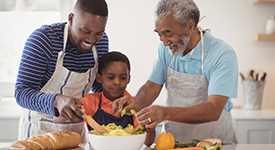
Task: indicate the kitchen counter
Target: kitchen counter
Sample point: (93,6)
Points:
(253,114)
(3,146)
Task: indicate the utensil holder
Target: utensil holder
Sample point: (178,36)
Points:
(253,94)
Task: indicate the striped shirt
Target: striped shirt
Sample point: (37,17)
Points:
(38,65)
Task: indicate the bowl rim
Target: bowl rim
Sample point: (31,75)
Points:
(95,135)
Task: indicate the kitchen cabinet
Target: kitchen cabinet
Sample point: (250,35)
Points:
(9,119)
(264,37)
(254,126)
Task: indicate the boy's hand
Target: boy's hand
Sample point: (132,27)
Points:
(124,103)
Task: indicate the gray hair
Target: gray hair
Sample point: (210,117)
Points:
(182,10)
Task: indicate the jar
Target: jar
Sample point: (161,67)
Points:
(270,25)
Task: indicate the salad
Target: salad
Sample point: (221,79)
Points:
(114,130)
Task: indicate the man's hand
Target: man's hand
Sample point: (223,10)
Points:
(151,116)
(124,103)
(68,108)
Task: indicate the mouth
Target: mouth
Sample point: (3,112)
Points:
(173,47)
(86,45)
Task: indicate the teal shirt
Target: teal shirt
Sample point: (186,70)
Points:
(220,66)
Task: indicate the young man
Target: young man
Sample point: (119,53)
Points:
(58,67)
(200,73)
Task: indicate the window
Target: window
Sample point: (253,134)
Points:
(19,18)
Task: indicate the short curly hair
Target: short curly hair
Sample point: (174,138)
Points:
(95,7)
(109,57)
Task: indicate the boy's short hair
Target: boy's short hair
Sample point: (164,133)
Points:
(109,57)
(95,7)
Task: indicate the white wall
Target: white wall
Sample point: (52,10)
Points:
(131,24)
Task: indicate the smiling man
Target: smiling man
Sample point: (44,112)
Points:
(200,73)
(58,67)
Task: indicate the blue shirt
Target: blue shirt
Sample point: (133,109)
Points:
(38,64)
(220,66)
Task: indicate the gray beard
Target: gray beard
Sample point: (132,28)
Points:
(181,47)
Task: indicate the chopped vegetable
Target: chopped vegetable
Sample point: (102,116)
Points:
(213,147)
(123,112)
(114,130)
(135,113)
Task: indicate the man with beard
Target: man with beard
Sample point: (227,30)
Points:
(58,67)
(200,73)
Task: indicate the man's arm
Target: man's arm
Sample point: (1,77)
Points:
(201,113)
(147,94)
(31,72)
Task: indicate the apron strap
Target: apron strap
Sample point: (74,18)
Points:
(202,45)
(65,38)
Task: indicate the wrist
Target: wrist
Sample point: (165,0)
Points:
(56,112)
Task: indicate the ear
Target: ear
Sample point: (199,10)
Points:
(190,27)
(98,78)
(70,18)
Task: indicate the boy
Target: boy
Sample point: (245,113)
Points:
(114,75)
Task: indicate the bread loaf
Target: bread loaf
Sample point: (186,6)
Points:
(52,140)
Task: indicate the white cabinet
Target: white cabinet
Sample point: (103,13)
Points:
(8,129)
(254,126)
(9,118)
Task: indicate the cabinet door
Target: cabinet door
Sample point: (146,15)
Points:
(8,130)
(255,131)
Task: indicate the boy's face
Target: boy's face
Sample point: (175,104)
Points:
(114,79)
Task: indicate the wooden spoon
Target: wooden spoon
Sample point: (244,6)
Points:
(135,129)
(93,123)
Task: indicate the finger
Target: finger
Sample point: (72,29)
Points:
(150,126)
(78,102)
(74,117)
(76,108)
(115,106)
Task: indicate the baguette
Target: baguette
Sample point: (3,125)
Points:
(52,140)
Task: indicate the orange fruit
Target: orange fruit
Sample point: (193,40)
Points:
(165,141)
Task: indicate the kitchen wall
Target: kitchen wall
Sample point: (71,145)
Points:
(131,24)
(130,30)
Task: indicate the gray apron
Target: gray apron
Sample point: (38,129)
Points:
(64,82)
(185,90)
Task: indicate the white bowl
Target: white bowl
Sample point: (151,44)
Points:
(132,142)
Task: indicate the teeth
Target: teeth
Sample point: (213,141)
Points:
(86,44)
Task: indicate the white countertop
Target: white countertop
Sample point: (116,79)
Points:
(239,114)
(3,146)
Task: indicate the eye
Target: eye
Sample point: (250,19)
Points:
(123,77)
(168,34)
(85,31)
(100,33)
(110,77)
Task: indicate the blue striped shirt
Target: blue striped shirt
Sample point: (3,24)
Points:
(38,65)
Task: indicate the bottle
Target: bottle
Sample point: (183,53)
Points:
(270,25)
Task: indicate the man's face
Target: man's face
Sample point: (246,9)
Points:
(172,34)
(85,30)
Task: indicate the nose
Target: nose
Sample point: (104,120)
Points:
(92,39)
(116,81)
(165,41)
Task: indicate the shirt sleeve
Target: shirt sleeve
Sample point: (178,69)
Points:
(224,77)
(32,70)
(159,72)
